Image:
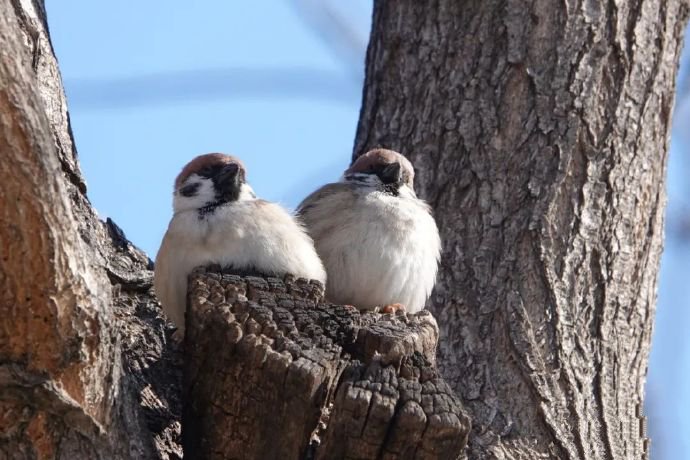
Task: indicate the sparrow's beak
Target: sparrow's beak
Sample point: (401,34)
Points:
(228,180)
(391,174)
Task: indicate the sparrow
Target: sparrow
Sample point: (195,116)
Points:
(378,241)
(217,219)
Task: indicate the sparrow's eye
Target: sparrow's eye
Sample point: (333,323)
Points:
(207,171)
(190,190)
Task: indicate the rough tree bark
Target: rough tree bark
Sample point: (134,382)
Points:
(86,370)
(539,131)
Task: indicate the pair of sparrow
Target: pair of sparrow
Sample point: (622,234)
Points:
(368,237)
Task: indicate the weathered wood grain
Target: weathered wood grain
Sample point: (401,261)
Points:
(273,372)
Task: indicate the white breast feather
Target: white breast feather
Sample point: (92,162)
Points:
(378,249)
(243,234)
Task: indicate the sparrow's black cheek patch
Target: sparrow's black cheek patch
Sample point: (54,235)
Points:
(390,173)
(227,187)
(190,190)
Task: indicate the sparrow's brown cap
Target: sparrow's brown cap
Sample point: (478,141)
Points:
(203,161)
(383,156)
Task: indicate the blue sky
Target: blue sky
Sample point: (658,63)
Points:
(149,87)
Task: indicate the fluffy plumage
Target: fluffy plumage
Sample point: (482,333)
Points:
(218,219)
(378,241)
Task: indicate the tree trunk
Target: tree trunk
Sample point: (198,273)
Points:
(85,367)
(272,372)
(539,132)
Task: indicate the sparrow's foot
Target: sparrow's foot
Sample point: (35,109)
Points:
(393,308)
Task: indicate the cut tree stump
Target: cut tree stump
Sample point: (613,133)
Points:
(272,372)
